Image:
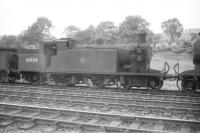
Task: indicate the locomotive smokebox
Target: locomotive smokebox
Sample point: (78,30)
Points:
(142,38)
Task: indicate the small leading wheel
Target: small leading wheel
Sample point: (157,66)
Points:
(189,84)
(154,83)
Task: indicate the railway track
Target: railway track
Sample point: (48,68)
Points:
(165,95)
(147,112)
(32,115)
(99,97)
(69,96)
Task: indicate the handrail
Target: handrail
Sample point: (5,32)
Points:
(176,68)
(166,67)
(176,71)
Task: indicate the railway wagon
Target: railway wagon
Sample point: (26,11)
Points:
(190,79)
(8,64)
(62,61)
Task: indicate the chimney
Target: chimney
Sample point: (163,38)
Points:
(142,38)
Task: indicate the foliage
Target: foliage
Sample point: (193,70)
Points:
(150,36)
(86,36)
(130,27)
(107,31)
(37,32)
(156,39)
(9,41)
(71,31)
(173,28)
(193,37)
(99,41)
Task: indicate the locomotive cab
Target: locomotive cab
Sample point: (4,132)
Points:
(50,49)
(8,64)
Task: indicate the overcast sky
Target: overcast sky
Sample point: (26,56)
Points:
(17,15)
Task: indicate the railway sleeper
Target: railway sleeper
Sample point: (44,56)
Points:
(140,125)
(100,105)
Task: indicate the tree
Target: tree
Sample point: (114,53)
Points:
(172,28)
(193,37)
(71,31)
(37,32)
(156,39)
(99,41)
(86,36)
(107,31)
(130,27)
(150,36)
(10,41)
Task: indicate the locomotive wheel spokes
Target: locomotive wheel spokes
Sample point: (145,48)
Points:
(127,84)
(154,83)
(119,84)
(189,84)
(98,83)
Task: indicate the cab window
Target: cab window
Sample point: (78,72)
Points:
(50,49)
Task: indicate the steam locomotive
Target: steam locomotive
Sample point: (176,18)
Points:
(65,62)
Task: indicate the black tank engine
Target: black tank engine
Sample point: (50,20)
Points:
(65,62)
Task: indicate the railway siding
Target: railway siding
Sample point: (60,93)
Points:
(104,110)
(85,118)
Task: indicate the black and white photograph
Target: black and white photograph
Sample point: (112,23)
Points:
(99,66)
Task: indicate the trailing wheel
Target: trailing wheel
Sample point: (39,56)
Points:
(189,84)
(154,83)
